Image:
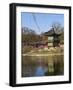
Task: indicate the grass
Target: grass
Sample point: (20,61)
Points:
(37,51)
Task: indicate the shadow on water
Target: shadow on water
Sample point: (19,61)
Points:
(42,65)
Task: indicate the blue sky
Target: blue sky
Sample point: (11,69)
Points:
(44,21)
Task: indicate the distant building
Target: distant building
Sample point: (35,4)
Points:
(52,38)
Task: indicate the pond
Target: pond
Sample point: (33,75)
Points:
(42,65)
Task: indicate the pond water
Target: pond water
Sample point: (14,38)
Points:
(42,65)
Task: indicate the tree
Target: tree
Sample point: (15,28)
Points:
(30,36)
(58,29)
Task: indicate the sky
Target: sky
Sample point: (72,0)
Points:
(43,21)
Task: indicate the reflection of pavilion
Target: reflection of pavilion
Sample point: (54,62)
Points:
(52,38)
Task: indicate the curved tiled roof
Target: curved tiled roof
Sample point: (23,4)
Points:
(52,32)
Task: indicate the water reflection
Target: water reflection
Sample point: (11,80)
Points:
(39,71)
(42,65)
